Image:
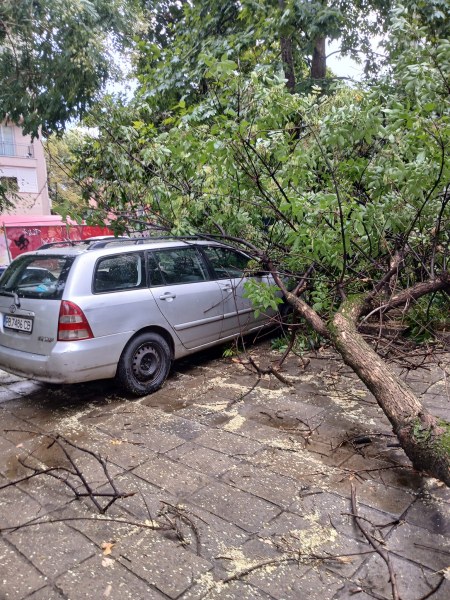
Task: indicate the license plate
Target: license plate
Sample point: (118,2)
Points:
(18,323)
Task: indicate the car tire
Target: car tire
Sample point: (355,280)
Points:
(144,364)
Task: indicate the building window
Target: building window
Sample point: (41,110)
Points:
(7,146)
(10,184)
(26,178)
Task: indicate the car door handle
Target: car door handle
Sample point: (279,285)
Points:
(227,288)
(168,296)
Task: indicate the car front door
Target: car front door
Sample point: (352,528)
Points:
(230,267)
(189,299)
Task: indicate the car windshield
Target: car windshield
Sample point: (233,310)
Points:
(36,277)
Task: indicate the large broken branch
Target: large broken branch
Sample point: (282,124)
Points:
(423,437)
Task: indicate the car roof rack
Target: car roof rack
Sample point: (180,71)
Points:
(94,244)
(144,240)
(61,244)
(87,241)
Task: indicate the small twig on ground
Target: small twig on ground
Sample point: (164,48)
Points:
(175,517)
(375,543)
(71,476)
(35,522)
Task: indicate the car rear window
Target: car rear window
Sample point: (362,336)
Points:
(36,277)
(175,266)
(119,272)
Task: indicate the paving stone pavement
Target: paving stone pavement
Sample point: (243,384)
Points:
(226,490)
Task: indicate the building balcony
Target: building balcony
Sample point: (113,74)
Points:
(16,150)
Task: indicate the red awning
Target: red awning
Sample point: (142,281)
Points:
(33,220)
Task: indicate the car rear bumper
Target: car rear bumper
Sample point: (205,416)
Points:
(69,362)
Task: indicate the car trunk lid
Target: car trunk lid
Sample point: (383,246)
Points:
(30,301)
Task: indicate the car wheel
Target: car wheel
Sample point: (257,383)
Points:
(144,364)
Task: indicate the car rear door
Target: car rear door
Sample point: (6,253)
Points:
(189,299)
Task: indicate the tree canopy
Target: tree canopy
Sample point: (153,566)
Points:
(55,56)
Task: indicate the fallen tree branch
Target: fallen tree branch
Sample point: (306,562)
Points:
(71,476)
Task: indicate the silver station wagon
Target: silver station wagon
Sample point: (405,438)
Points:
(122,309)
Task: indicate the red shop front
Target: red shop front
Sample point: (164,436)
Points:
(22,233)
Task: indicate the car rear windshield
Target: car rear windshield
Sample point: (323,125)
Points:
(36,277)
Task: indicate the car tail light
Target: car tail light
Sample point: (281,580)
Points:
(72,324)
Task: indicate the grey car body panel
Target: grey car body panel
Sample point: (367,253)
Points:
(192,316)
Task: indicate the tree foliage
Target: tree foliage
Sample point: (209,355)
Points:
(55,56)
(65,191)
(282,34)
(366,168)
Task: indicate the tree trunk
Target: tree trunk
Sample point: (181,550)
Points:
(319,59)
(288,63)
(424,438)
(287,56)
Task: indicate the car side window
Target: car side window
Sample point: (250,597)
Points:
(227,262)
(176,265)
(119,272)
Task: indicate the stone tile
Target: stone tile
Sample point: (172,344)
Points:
(277,439)
(274,488)
(432,514)
(16,430)
(49,494)
(186,429)
(351,590)
(6,448)
(310,540)
(144,500)
(413,581)
(228,443)
(437,490)
(203,460)
(233,472)
(46,593)
(387,499)
(279,578)
(171,476)
(243,509)
(18,577)
(96,528)
(289,582)
(104,577)
(282,411)
(421,546)
(210,589)
(163,564)
(335,510)
(122,420)
(154,439)
(25,386)
(216,535)
(6,377)
(297,463)
(300,532)
(6,395)
(389,473)
(52,548)
(16,506)
(119,455)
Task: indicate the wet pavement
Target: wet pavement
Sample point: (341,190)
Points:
(218,489)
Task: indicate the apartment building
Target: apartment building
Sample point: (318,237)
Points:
(23,161)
